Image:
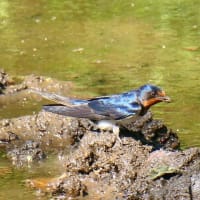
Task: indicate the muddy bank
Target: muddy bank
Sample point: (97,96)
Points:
(55,133)
(130,171)
(97,165)
(144,165)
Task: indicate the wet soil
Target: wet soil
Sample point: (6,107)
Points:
(145,164)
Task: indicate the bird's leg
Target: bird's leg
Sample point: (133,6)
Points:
(116,131)
(109,125)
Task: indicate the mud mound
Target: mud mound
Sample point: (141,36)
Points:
(102,167)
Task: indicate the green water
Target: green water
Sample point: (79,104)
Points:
(107,47)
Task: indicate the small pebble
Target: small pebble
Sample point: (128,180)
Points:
(37,20)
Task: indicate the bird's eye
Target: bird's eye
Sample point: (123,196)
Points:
(153,94)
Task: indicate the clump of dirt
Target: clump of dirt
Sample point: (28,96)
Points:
(153,132)
(50,131)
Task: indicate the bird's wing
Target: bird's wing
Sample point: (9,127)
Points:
(107,107)
(95,110)
(114,110)
(82,111)
(59,99)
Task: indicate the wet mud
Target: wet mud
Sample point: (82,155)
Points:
(145,164)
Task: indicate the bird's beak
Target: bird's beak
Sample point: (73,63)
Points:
(162,97)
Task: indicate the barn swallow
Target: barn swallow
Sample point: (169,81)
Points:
(109,111)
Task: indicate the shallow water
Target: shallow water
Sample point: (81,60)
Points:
(107,47)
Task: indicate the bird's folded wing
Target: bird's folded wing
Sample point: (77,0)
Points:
(82,111)
(115,110)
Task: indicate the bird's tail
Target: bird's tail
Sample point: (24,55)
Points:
(57,98)
(58,109)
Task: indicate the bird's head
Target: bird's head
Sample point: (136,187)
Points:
(150,95)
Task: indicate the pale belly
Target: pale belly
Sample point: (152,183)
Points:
(110,124)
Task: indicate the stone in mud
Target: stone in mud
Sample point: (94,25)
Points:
(26,154)
(60,187)
(71,186)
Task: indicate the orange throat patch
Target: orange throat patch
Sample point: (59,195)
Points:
(150,102)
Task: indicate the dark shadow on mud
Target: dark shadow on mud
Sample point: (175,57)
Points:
(161,138)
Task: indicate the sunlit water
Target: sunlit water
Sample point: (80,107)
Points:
(107,47)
